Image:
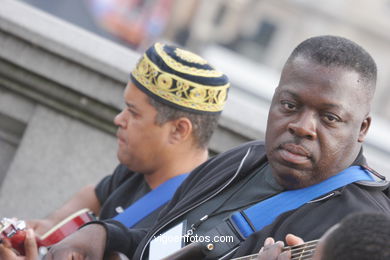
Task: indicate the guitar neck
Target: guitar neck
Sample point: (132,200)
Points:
(14,230)
(301,252)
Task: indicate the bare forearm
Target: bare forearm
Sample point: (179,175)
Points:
(85,198)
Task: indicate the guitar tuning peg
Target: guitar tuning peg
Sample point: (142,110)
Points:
(20,225)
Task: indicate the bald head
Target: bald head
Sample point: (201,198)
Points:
(334,51)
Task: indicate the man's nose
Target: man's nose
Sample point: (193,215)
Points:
(304,126)
(120,120)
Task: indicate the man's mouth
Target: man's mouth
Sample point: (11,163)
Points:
(119,138)
(295,154)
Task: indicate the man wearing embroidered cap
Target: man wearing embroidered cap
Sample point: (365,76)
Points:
(172,103)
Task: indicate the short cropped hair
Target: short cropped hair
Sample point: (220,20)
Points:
(203,125)
(335,51)
(363,236)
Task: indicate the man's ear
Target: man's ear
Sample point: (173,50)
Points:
(181,130)
(364,129)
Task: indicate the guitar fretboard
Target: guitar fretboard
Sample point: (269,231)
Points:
(300,252)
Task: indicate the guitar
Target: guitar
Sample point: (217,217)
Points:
(197,251)
(14,230)
(300,252)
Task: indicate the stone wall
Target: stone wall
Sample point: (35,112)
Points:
(60,88)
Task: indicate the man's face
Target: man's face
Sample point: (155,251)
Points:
(317,120)
(141,142)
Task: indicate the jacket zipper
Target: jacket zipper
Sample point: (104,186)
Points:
(196,205)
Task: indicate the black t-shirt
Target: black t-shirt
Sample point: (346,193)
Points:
(118,191)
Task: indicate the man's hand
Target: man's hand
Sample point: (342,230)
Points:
(293,240)
(87,243)
(274,251)
(30,247)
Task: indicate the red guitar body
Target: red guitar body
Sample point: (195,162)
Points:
(14,230)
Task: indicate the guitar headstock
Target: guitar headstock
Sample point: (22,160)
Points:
(14,231)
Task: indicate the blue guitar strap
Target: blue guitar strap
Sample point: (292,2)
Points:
(265,212)
(150,201)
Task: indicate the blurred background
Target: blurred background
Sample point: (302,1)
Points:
(64,63)
(256,32)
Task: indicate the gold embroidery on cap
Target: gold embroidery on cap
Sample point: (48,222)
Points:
(190,57)
(177,66)
(179,91)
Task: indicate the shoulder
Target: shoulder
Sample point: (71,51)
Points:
(352,198)
(314,218)
(365,195)
(349,199)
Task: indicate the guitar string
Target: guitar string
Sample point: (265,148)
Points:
(294,249)
(310,243)
(307,254)
(305,257)
(305,251)
(308,251)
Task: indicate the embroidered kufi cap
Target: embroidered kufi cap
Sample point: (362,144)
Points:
(182,79)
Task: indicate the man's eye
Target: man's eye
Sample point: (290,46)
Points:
(331,118)
(132,112)
(288,105)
